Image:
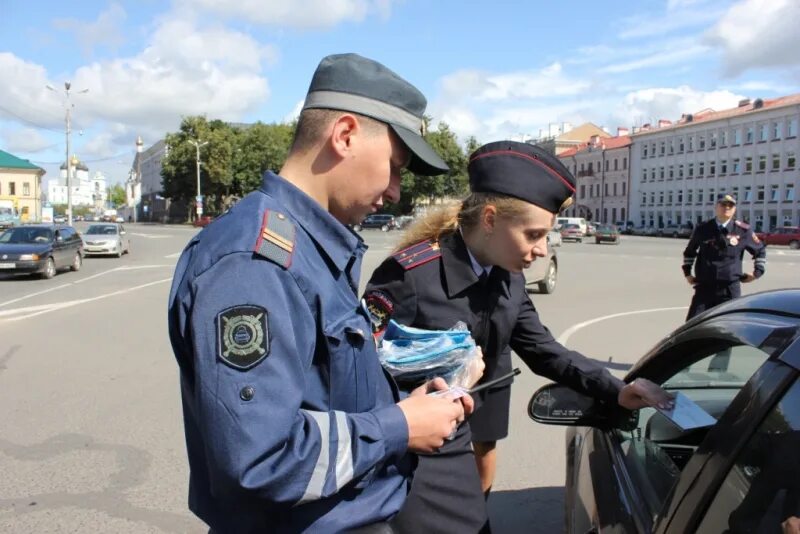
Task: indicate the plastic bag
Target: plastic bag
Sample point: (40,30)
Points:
(413,355)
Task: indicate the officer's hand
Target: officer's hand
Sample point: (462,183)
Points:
(691,279)
(747,278)
(430,419)
(791,525)
(475,368)
(439,384)
(641,392)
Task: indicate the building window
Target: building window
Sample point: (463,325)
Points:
(760,194)
(616,164)
(644,175)
(652,197)
(711,196)
(790,192)
(776,162)
(669,198)
(615,188)
(793,128)
(748,194)
(660,197)
(735,192)
(790,160)
(712,168)
(689,195)
(26,189)
(762,133)
(625,163)
(737,137)
(776,130)
(653,174)
(671,172)
(581,167)
(690,139)
(680,145)
(644,199)
(671,147)
(690,170)
(644,150)
(736,166)
(653,149)
(712,140)
(680,171)
(661,174)
(699,196)
(605,189)
(623,188)
(606,166)
(701,169)
(680,196)
(583,191)
(762,163)
(723,138)
(12,188)
(748,164)
(748,138)
(774,194)
(723,167)
(662,147)
(701,142)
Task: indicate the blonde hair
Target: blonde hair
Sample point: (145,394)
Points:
(467,215)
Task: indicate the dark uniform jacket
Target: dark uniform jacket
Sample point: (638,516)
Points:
(717,254)
(291,423)
(433,286)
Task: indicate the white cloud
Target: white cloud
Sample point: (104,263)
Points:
(650,105)
(304,14)
(659,59)
(295,113)
(106,30)
(679,16)
(757,34)
(25,140)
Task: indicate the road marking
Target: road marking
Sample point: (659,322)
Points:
(33,294)
(40,310)
(176,255)
(151,236)
(563,338)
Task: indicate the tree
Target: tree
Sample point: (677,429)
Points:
(117,196)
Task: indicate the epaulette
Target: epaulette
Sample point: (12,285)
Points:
(418,254)
(276,238)
(742,225)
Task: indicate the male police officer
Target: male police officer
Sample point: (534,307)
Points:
(291,424)
(716,249)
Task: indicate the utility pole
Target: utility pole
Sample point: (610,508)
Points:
(67,87)
(199,200)
(138,180)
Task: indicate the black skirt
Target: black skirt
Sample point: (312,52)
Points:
(490,421)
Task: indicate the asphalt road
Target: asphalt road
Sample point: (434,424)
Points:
(91,431)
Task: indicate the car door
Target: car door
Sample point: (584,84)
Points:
(60,247)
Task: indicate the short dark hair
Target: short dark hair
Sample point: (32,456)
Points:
(313,123)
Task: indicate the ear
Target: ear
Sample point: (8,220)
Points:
(489,218)
(343,130)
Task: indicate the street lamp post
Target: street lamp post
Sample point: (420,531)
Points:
(67,86)
(199,200)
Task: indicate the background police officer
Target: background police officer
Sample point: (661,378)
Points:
(291,424)
(716,249)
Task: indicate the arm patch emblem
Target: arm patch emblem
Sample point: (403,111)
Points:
(243,336)
(380,309)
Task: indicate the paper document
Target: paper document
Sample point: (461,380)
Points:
(687,414)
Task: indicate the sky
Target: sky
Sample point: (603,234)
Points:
(495,70)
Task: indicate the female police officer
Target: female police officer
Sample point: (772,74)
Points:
(467,265)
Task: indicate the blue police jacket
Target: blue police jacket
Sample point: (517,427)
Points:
(291,423)
(717,254)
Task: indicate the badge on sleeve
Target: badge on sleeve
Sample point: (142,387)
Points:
(379,307)
(243,336)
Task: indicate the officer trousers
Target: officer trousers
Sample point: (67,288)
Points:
(707,296)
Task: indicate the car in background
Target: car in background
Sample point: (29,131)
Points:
(202,221)
(59,219)
(554,238)
(403,221)
(607,233)
(650,231)
(40,249)
(625,227)
(383,221)
(670,230)
(591,228)
(106,239)
(639,472)
(543,272)
(785,235)
(119,219)
(571,232)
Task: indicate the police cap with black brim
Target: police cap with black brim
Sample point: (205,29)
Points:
(349,82)
(523,171)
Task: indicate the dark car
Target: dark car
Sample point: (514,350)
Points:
(640,472)
(606,233)
(383,221)
(786,235)
(40,249)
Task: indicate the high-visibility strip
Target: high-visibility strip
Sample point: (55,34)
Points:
(344,452)
(317,481)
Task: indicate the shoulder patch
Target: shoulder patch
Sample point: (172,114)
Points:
(243,336)
(418,254)
(742,225)
(276,238)
(379,307)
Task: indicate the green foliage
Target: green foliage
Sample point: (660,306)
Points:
(117,196)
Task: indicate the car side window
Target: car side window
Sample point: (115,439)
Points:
(762,489)
(656,450)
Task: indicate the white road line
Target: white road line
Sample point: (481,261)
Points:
(61,305)
(33,294)
(151,236)
(176,255)
(563,338)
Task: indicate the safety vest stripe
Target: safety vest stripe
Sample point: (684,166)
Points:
(344,451)
(317,481)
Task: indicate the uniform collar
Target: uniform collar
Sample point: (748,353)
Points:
(458,269)
(333,238)
(477,268)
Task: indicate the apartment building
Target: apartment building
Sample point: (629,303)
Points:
(750,151)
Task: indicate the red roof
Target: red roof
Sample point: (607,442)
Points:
(572,150)
(606,143)
(706,115)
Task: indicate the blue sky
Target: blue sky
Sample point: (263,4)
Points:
(490,69)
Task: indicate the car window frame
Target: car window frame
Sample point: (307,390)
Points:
(714,335)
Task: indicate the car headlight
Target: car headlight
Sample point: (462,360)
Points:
(29,257)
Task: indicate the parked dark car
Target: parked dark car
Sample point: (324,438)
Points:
(606,233)
(383,221)
(786,235)
(40,249)
(639,472)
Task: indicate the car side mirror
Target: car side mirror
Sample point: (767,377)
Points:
(555,404)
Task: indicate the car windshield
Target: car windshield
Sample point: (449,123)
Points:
(29,235)
(606,228)
(102,229)
(572,227)
(6,211)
